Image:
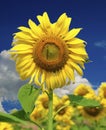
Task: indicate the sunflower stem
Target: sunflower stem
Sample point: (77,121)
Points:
(50,113)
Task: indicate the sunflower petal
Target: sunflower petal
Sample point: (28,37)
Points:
(75,41)
(37,77)
(76,67)
(21,47)
(69,72)
(80,51)
(71,34)
(36,30)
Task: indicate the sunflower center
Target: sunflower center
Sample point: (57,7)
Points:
(50,53)
(94,111)
(83,92)
(45,103)
(62,111)
(105,93)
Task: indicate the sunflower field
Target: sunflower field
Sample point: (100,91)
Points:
(49,54)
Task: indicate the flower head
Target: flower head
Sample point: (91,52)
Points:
(102,90)
(62,109)
(5,126)
(84,90)
(38,115)
(49,53)
(94,113)
(64,125)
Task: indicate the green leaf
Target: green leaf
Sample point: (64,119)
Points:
(20,114)
(6,117)
(27,95)
(81,101)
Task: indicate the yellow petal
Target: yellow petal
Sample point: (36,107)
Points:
(80,51)
(44,22)
(27,30)
(76,67)
(21,47)
(32,78)
(17,41)
(24,65)
(75,41)
(35,28)
(48,86)
(64,29)
(37,77)
(43,77)
(57,27)
(52,82)
(22,52)
(61,19)
(58,79)
(31,70)
(69,72)
(23,35)
(76,57)
(72,33)
(62,79)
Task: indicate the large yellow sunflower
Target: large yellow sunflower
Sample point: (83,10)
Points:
(48,53)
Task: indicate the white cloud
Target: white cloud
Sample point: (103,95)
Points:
(69,89)
(9,79)
(101,44)
(1,107)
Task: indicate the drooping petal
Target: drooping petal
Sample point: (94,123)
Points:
(70,73)
(37,77)
(76,67)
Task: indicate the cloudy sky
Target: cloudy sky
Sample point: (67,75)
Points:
(90,15)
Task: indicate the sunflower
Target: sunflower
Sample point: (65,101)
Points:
(38,115)
(84,90)
(5,126)
(62,109)
(94,113)
(43,101)
(64,125)
(48,53)
(41,107)
(102,90)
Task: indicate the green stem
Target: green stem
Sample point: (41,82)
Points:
(59,110)
(50,113)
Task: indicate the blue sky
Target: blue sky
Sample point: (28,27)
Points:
(90,15)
